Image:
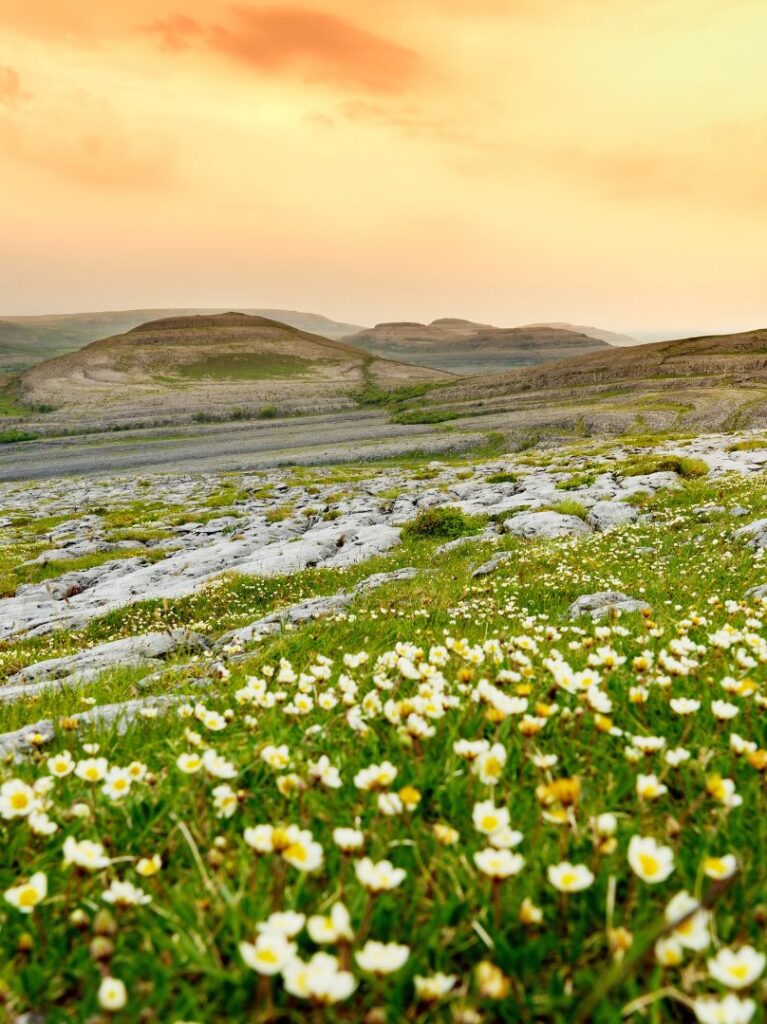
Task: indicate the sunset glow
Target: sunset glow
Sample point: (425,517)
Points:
(597,161)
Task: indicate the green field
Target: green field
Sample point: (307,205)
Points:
(502,758)
(247,366)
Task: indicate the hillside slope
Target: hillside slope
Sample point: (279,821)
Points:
(28,340)
(210,365)
(464,347)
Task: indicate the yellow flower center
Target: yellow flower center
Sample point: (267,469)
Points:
(648,863)
(27,896)
(19,801)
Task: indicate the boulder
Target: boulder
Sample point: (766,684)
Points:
(606,515)
(604,602)
(544,525)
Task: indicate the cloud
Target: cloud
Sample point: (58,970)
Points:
(78,136)
(11,93)
(318,47)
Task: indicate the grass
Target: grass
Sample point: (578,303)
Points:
(431,644)
(246,366)
(686,467)
(13,436)
(443,523)
(569,507)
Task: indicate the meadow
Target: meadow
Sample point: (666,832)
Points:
(449,801)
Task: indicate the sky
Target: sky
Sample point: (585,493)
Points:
(508,161)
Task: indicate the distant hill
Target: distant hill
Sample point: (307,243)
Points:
(464,347)
(27,340)
(210,365)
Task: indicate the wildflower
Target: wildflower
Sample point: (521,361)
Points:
(380,876)
(269,954)
(570,877)
(432,988)
(736,969)
(27,895)
(446,835)
(148,866)
(125,894)
(303,853)
(492,983)
(349,840)
(720,867)
(225,801)
(650,861)
(17,799)
(332,927)
(649,787)
(490,764)
(499,864)
(729,1010)
(319,979)
(189,764)
(288,922)
(93,769)
(218,766)
(723,790)
(112,994)
(61,764)
(529,914)
(381,957)
(84,854)
(669,951)
(376,776)
(117,783)
(692,929)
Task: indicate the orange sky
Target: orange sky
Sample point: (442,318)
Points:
(598,161)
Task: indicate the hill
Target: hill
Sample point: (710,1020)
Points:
(210,365)
(28,340)
(464,347)
(710,382)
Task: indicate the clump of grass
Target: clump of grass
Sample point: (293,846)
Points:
(575,480)
(502,478)
(568,507)
(12,436)
(754,444)
(446,523)
(424,416)
(683,465)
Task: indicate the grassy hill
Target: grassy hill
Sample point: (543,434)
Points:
(28,340)
(211,365)
(464,347)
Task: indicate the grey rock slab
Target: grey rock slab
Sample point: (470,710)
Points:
(606,515)
(545,525)
(120,715)
(313,608)
(86,664)
(490,566)
(758,591)
(603,602)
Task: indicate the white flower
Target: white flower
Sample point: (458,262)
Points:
(649,787)
(348,839)
(125,894)
(736,969)
(684,705)
(332,927)
(669,951)
(288,922)
(433,987)
(488,818)
(84,854)
(112,994)
(304,854)
(17,799)
(720,867)
(570,877)
(380,876)
(269,954)
(499,864)
(650,861)
(117,783)
(376,776)
(218,766)
(189,764)
(381,957)
(692,931)
(224,800)
(729,1010)
(41,824)
(61,764)
(319,979)
(92,769)
(724,710)
(27,895)
(605,825)
(490,764)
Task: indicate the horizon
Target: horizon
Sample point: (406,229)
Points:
(377,160)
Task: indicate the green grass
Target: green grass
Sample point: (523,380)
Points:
(179,955)
(246,366)
(13,436)
(443,523)
(686,467)
(569,507)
